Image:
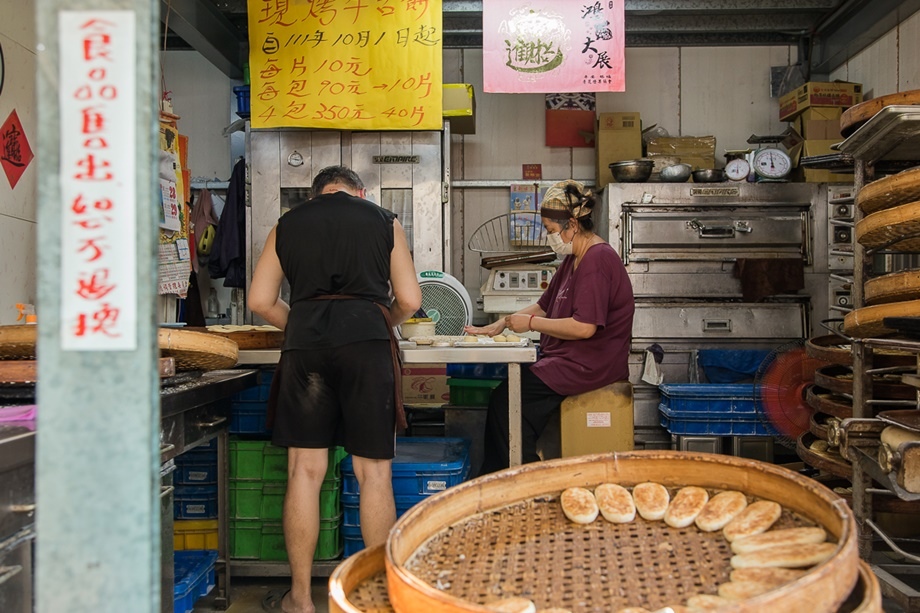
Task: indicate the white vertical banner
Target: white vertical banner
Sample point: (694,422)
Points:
(97,175)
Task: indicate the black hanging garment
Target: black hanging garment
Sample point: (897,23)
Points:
(228,255)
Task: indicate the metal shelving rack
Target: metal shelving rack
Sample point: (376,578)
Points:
(892,134)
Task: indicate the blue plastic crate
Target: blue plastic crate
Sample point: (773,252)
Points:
(193,472)
(478,371)
(354,542)
(726,425)
(242,100)
(706,400)
(351,512)
(195,502)
(423,465)
(248,417)
(195,577)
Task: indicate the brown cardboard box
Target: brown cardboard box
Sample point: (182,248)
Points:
(598,421)
(819,123)
(459,104)
(425,384)
(819,94)
(698,151)
(823,147)
(619,137)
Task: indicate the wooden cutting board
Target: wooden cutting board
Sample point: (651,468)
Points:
(857,115)
(891,191)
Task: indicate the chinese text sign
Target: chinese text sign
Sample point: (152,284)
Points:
(97,174)
(547,46)
(346,64)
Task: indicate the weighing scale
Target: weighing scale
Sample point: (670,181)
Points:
(769,162)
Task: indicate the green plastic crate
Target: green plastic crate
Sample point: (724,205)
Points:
(261,460)
(471,392)
(254,540)
(265,499)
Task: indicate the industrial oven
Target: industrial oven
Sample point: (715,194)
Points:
(680,243)
(405,172)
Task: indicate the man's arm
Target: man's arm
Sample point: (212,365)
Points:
(265,292)
(407,295)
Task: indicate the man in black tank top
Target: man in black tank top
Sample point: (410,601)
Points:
(335,384)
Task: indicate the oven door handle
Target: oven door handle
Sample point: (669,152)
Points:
(718,231)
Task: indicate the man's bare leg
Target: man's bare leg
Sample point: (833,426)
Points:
(377,506)
(306,471)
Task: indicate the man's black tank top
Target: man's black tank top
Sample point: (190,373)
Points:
(335,244)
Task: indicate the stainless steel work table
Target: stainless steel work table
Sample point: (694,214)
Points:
(512,356)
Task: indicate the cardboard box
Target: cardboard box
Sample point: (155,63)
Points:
(698,151)
(425,384)
(819,94)
(459,104)
(619,137)
(813,175)
(598,421)
(819,123)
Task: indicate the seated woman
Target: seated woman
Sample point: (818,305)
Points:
(584,319)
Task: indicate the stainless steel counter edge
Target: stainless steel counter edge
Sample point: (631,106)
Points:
(258,357)
(17,446)
(213,385)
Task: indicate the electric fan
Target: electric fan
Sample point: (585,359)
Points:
(780,387)
(446,302)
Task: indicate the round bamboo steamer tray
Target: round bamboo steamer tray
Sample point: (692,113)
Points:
(894,287)
(897,228)
(503,499)
(359,584)
(890,191)
(197,350)
(825,401)
(860,113)
(829,461)
(868,321)
(817,425)
(18,342)
(839,379)
(835,350)
(866,597)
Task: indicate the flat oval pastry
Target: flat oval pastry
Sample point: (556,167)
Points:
(721,509)
(686,506)
(756,518)
(785,556)
(553,610)
(651,500)
(633,610)
(774,538)
(742,590)
(773,576)
(708,602)
(579,505)
(513,605)
(674,608)
(615,503)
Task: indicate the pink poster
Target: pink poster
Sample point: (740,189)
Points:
(547,46)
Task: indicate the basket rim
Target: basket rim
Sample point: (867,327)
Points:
(439,503)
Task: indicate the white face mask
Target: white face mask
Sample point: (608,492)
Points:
(556,243)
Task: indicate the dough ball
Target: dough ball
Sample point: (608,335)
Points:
(512,338)
(499,338)
(470,339)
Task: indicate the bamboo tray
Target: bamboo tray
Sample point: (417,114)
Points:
(507,536)
(897,228)
(825,401)
(833,349)
(868,321)
(253,338)
(359,584)
(894,287)
(860,113)
(890,191)
(197,350)
(840,379)
(829,461)
(18,342)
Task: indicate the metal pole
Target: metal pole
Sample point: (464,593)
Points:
(97,468)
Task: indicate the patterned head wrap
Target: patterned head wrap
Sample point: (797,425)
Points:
(566,199)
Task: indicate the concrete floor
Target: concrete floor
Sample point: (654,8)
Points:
(246,595)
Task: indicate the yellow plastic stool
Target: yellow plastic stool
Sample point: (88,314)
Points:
(598,421)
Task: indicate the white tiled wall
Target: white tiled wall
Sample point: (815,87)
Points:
(18,206)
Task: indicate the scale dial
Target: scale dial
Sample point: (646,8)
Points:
(772,163)
(737,169)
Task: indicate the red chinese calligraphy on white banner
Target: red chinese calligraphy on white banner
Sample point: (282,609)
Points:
(97,172)
(548,46)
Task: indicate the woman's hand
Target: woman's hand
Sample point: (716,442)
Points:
(496,327)
(519,322)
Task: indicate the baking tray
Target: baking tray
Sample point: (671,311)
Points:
(909,419)
(489,344)
(890,134)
